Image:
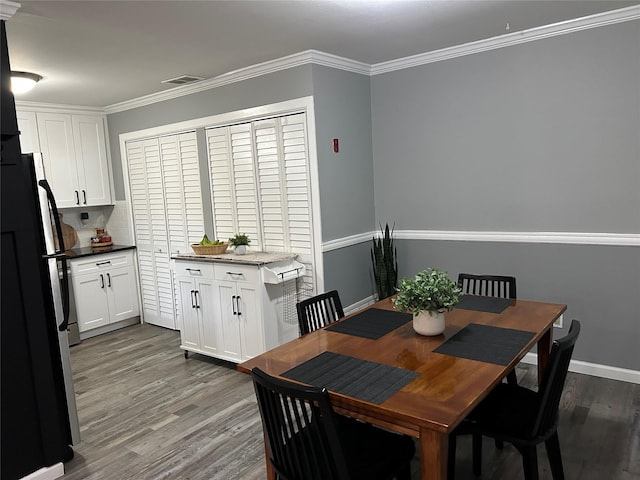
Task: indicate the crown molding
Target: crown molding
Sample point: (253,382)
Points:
(284,63)
(57,107)
(562,238)
(8,9)
(524,36)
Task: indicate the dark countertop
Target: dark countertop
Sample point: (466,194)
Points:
(88,251)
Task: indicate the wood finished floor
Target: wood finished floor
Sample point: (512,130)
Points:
(147,413)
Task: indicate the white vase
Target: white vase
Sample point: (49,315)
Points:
(429,323)
(241,249)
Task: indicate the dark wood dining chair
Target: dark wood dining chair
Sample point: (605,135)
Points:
(521,416)
(306,440)
(319,311)
(490,286)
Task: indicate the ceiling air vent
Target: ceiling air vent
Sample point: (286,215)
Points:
(183,80)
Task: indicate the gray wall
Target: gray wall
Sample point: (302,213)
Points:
(543,136)
(348,270)
(599,284)
(342,103)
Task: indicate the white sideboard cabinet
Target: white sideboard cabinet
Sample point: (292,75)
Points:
(105,289)
(74,152)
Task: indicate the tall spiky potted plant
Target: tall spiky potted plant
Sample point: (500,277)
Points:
(385,263)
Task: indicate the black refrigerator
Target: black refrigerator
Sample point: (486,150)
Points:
(39,422)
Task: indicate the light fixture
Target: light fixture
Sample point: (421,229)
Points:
(22,82)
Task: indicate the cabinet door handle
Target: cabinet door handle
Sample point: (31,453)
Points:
(101,281)
(77,197)
(109,280)
(238,304)
(84,196)
(233,304)
(193,303)
(196,293)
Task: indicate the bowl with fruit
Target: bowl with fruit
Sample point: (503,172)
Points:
(209,247)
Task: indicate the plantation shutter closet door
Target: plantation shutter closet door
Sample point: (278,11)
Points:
(167,216)
(260,181)
(233,183)
(285,195)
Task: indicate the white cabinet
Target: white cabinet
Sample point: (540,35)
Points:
(200,332)
(239,311)
(75,158)
(222,310)
(105,289)
(28,132)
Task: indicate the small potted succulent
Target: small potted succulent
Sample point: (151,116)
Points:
(427,296)
(240,243)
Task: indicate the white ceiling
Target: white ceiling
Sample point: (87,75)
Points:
(99,53)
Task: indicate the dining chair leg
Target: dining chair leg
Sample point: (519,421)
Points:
(405,472)
(477,454)
(530,462)
(451,458)
(555,458)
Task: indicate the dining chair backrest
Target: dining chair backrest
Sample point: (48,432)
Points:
(553,379)
(488,285)
(319,311)
(299,427)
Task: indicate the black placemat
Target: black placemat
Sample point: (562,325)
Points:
(484,304)
(369,381)
(486,343)
(372,323)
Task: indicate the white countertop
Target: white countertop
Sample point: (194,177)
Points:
(249,258)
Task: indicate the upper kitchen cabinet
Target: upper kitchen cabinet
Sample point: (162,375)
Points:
(28,132)
(74,152)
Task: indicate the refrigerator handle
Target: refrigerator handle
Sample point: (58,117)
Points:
(54,209)
(64,283)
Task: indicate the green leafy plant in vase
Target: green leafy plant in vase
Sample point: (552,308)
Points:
(240,243)
(428,295)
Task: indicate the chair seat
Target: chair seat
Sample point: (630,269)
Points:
(508,411)
(371,452)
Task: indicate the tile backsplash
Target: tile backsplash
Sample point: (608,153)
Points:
(113,218)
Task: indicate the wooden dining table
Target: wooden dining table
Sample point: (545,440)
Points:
(446,388)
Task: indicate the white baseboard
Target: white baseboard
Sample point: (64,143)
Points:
(47,473)
(603,371)
(354,307)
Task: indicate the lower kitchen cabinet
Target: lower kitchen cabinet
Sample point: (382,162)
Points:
(105,289)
